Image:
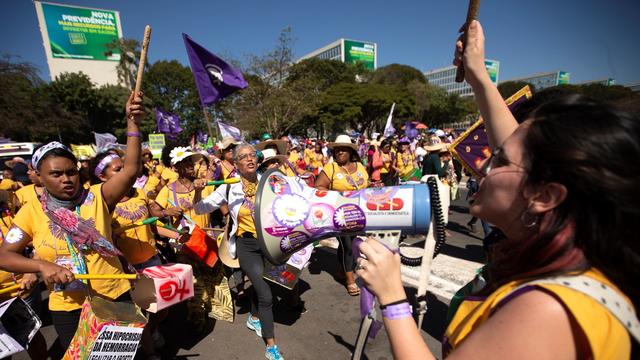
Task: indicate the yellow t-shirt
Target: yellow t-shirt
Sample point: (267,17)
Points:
(7,184)
(404,162)
(607,337)
(228,172)
(184,201)
(387,160)
(294,156)
(315,160)
(26,194)
(150,186)
(245,221)
(137,244)
(32,220)
(169,175)
(287,170)
(6,279)
(341,180)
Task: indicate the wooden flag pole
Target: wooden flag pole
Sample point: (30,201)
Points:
(207,120)
(143,58)
(472,14)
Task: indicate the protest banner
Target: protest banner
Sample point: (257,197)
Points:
(156,144)
(116,343)
(124,322)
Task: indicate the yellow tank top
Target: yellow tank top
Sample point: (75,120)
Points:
(607,337)
(341,180)
(137,244)
(184,201)
(245,221)
(32,220)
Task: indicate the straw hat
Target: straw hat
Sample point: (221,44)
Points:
(280,144)
(228,141)
(343,141)
(434,144)
(270,154)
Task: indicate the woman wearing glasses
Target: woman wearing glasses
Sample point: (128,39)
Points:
(563,284)
(241,199)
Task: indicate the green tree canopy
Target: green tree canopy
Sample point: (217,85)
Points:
(397,75)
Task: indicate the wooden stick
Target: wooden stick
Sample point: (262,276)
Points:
(143,58)
(472,14)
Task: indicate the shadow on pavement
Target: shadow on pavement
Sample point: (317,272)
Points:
(324,259)
(454,226)
(180,333)
(469,252)
(340,340)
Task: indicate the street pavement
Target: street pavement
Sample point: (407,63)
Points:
(329,327)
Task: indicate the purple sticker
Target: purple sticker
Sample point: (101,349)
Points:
(293,242)
(349,218)
(320,217)
(278,231)
(290,210)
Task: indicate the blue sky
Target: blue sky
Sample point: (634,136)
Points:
(591,39)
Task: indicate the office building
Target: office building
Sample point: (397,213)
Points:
(348,51)
(446,78)
(545,80)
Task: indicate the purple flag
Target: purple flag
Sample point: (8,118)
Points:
(215,78)
(202,137)
(410,130)
(167,122)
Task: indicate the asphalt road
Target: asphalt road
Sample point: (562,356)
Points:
(329,328)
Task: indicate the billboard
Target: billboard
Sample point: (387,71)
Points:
(493,68)
(360,52)
(563,78)
(81,33)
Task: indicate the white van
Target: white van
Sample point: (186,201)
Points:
(10,150)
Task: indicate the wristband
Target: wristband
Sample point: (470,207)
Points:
(398,311)
(133,134)
(382,307)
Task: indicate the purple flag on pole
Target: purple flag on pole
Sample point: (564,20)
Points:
(227,130)
(215,78)
(167,122)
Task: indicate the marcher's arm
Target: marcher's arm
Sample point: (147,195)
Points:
(115,188)
(322,181)
(499,121)
(211,202)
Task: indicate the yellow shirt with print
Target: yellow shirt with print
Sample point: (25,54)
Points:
(226,172)
(32,220)
(168,175)
(26,194)
(404,162)
(315,160)
(387,160)
(338,177)
(168,196)
(137,244)
(6,279)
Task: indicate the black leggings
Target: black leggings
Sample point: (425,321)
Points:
(345,253)
(66,322)
(252,263)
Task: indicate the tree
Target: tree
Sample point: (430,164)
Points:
(129,50)
(323,73)
(363,107)
(509,88)
(397,75)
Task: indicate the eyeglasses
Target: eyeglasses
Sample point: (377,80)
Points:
(245,156)
(496,160)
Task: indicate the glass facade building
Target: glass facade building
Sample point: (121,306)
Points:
(348,51)
(446,78)
(546,80)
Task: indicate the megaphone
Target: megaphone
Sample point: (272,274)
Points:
(290,215)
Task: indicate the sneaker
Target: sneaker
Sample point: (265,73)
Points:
(272,353)
(254,324)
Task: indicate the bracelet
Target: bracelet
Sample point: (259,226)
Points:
(382,307)
(398,311)
(134,134)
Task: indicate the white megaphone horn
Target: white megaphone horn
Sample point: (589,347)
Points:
(290,215)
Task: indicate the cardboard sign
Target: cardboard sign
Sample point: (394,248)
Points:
(18,325)
(100,319)
(156,143)
(163,286)
(116,343)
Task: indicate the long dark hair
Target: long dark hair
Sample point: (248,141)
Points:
(593,150)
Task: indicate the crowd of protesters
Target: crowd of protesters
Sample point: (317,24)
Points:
(41,197)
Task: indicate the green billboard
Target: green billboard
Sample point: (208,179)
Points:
(563,78)
(360,52)
(493,67)
(81,33)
